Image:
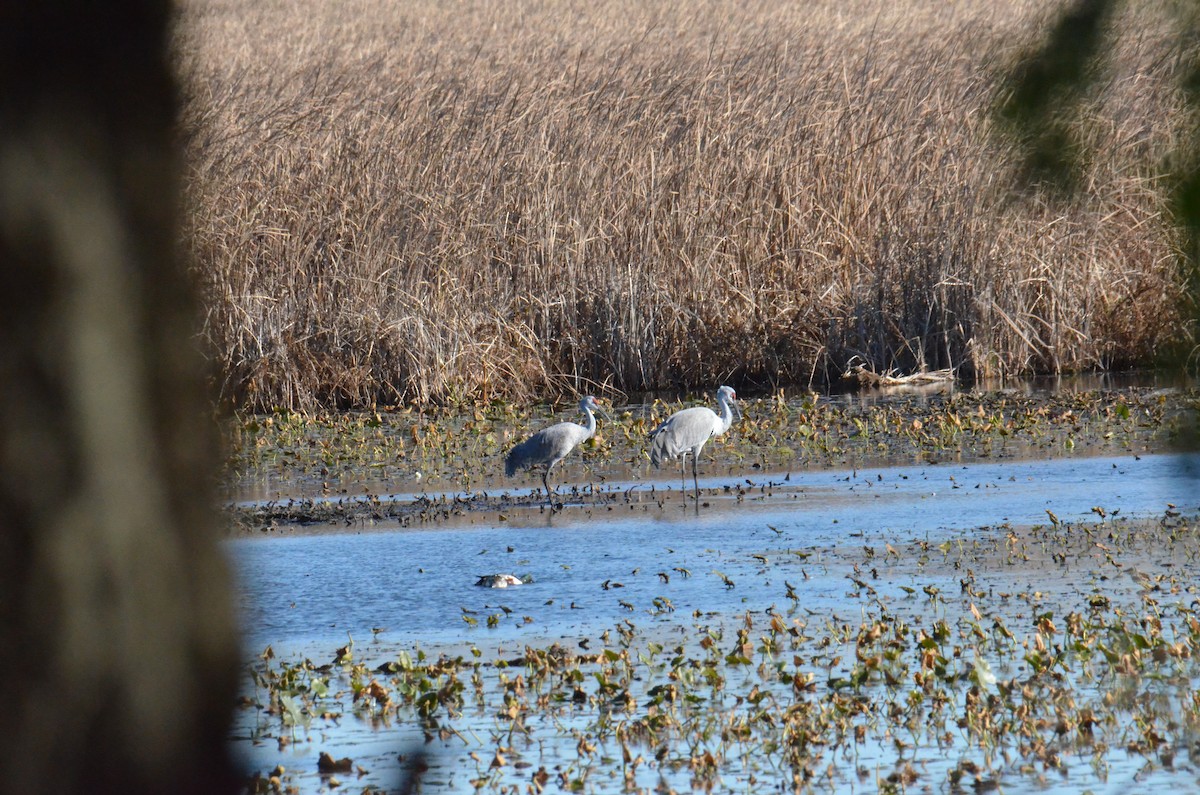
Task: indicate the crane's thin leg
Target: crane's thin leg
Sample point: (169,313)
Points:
(695,480)
(546,483)
(683,471)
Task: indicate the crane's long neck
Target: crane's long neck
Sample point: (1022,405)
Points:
(726,414)
(590,425)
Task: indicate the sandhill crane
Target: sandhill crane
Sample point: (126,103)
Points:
(687,431)
(550,445)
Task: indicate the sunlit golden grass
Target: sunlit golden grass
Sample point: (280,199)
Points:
(429,202)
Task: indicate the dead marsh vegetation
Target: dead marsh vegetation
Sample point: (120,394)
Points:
(431,202)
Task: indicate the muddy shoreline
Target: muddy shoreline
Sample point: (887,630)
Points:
(352,472)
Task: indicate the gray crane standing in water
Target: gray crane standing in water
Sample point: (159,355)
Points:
(687,431)
(550,445)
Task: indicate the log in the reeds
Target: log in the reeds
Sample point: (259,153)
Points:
(891,378)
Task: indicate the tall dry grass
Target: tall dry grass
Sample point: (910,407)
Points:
(427,201)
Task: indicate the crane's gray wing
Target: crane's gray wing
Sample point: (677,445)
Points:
(544,448)
(683,431)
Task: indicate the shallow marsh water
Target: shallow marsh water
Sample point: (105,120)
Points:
(818,632)
(315,588)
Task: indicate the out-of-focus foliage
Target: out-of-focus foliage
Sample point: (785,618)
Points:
(1040,103)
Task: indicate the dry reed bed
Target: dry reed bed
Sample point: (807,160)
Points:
(428,202)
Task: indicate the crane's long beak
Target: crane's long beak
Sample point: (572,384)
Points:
(596,407)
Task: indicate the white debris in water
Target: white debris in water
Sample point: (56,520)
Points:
(498,581)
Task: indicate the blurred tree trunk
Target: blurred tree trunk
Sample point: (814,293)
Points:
(117,648)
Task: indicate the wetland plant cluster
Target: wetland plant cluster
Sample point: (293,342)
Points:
(1063,652)
(450,460)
